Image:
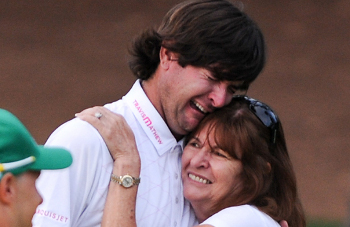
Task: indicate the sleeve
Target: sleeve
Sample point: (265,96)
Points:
(240,216)
(66,192)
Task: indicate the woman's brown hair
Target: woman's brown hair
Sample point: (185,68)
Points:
(268,177)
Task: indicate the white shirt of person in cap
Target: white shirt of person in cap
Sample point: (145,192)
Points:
(21,160)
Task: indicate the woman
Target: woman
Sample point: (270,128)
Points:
(236,169)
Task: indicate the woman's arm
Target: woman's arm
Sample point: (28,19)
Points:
(120,205)
(120,140)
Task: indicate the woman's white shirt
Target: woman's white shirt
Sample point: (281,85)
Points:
(242,216)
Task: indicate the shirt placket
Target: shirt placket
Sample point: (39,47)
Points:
(176,185)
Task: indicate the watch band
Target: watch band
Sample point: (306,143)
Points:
(126,181)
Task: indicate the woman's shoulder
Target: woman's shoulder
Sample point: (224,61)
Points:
(243,216)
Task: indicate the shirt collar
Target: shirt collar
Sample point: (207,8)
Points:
(149,118)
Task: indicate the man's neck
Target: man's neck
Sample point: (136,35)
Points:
(151,88)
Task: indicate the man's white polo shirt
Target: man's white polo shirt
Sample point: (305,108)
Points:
(76,196)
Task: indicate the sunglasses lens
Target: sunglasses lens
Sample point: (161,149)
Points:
(266,116)
(263,112)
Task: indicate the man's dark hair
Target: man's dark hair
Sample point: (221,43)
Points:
(213,34)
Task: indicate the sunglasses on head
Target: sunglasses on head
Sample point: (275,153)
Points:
(264,113)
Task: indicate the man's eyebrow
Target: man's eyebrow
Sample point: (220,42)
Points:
(243,86)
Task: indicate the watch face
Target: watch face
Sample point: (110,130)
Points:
(127,181)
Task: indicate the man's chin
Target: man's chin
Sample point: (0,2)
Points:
(191,125)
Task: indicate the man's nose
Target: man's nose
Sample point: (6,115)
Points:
(219,96)
(40,199)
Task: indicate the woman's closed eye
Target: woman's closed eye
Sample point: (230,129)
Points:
(220,153)
(194,143)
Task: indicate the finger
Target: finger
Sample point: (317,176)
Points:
(95,122)
(284,223)
(112,127)
(91,110)
(108,124)
(111,119)
(88,115)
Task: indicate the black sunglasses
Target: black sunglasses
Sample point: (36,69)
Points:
(264,113)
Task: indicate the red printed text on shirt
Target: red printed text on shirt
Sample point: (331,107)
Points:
(148,122)
(51,215)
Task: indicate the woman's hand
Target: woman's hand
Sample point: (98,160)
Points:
(115,131)
(120,141)
(284,223)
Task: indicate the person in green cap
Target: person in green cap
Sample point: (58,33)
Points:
(21,160)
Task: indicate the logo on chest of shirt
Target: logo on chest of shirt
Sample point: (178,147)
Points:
(148,122)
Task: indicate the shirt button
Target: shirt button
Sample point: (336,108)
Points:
(176,175)
(175,223)
(176,200)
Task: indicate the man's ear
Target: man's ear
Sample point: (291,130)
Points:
(165,57)
(268,167)
(7,188)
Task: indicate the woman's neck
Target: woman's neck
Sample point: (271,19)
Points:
(203,211)
(207,208)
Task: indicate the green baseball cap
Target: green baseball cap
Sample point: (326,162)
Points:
(19,152)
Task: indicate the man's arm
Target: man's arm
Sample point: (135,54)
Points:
(66,192)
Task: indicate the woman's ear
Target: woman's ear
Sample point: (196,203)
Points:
(7,188)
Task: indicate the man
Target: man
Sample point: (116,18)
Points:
(203,53)
(21,160)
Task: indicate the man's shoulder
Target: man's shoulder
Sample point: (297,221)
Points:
(76,128)
(78,137)
(120,107)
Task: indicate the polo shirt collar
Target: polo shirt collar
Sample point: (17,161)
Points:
(150,120)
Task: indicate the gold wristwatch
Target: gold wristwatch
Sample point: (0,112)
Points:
(126,181)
